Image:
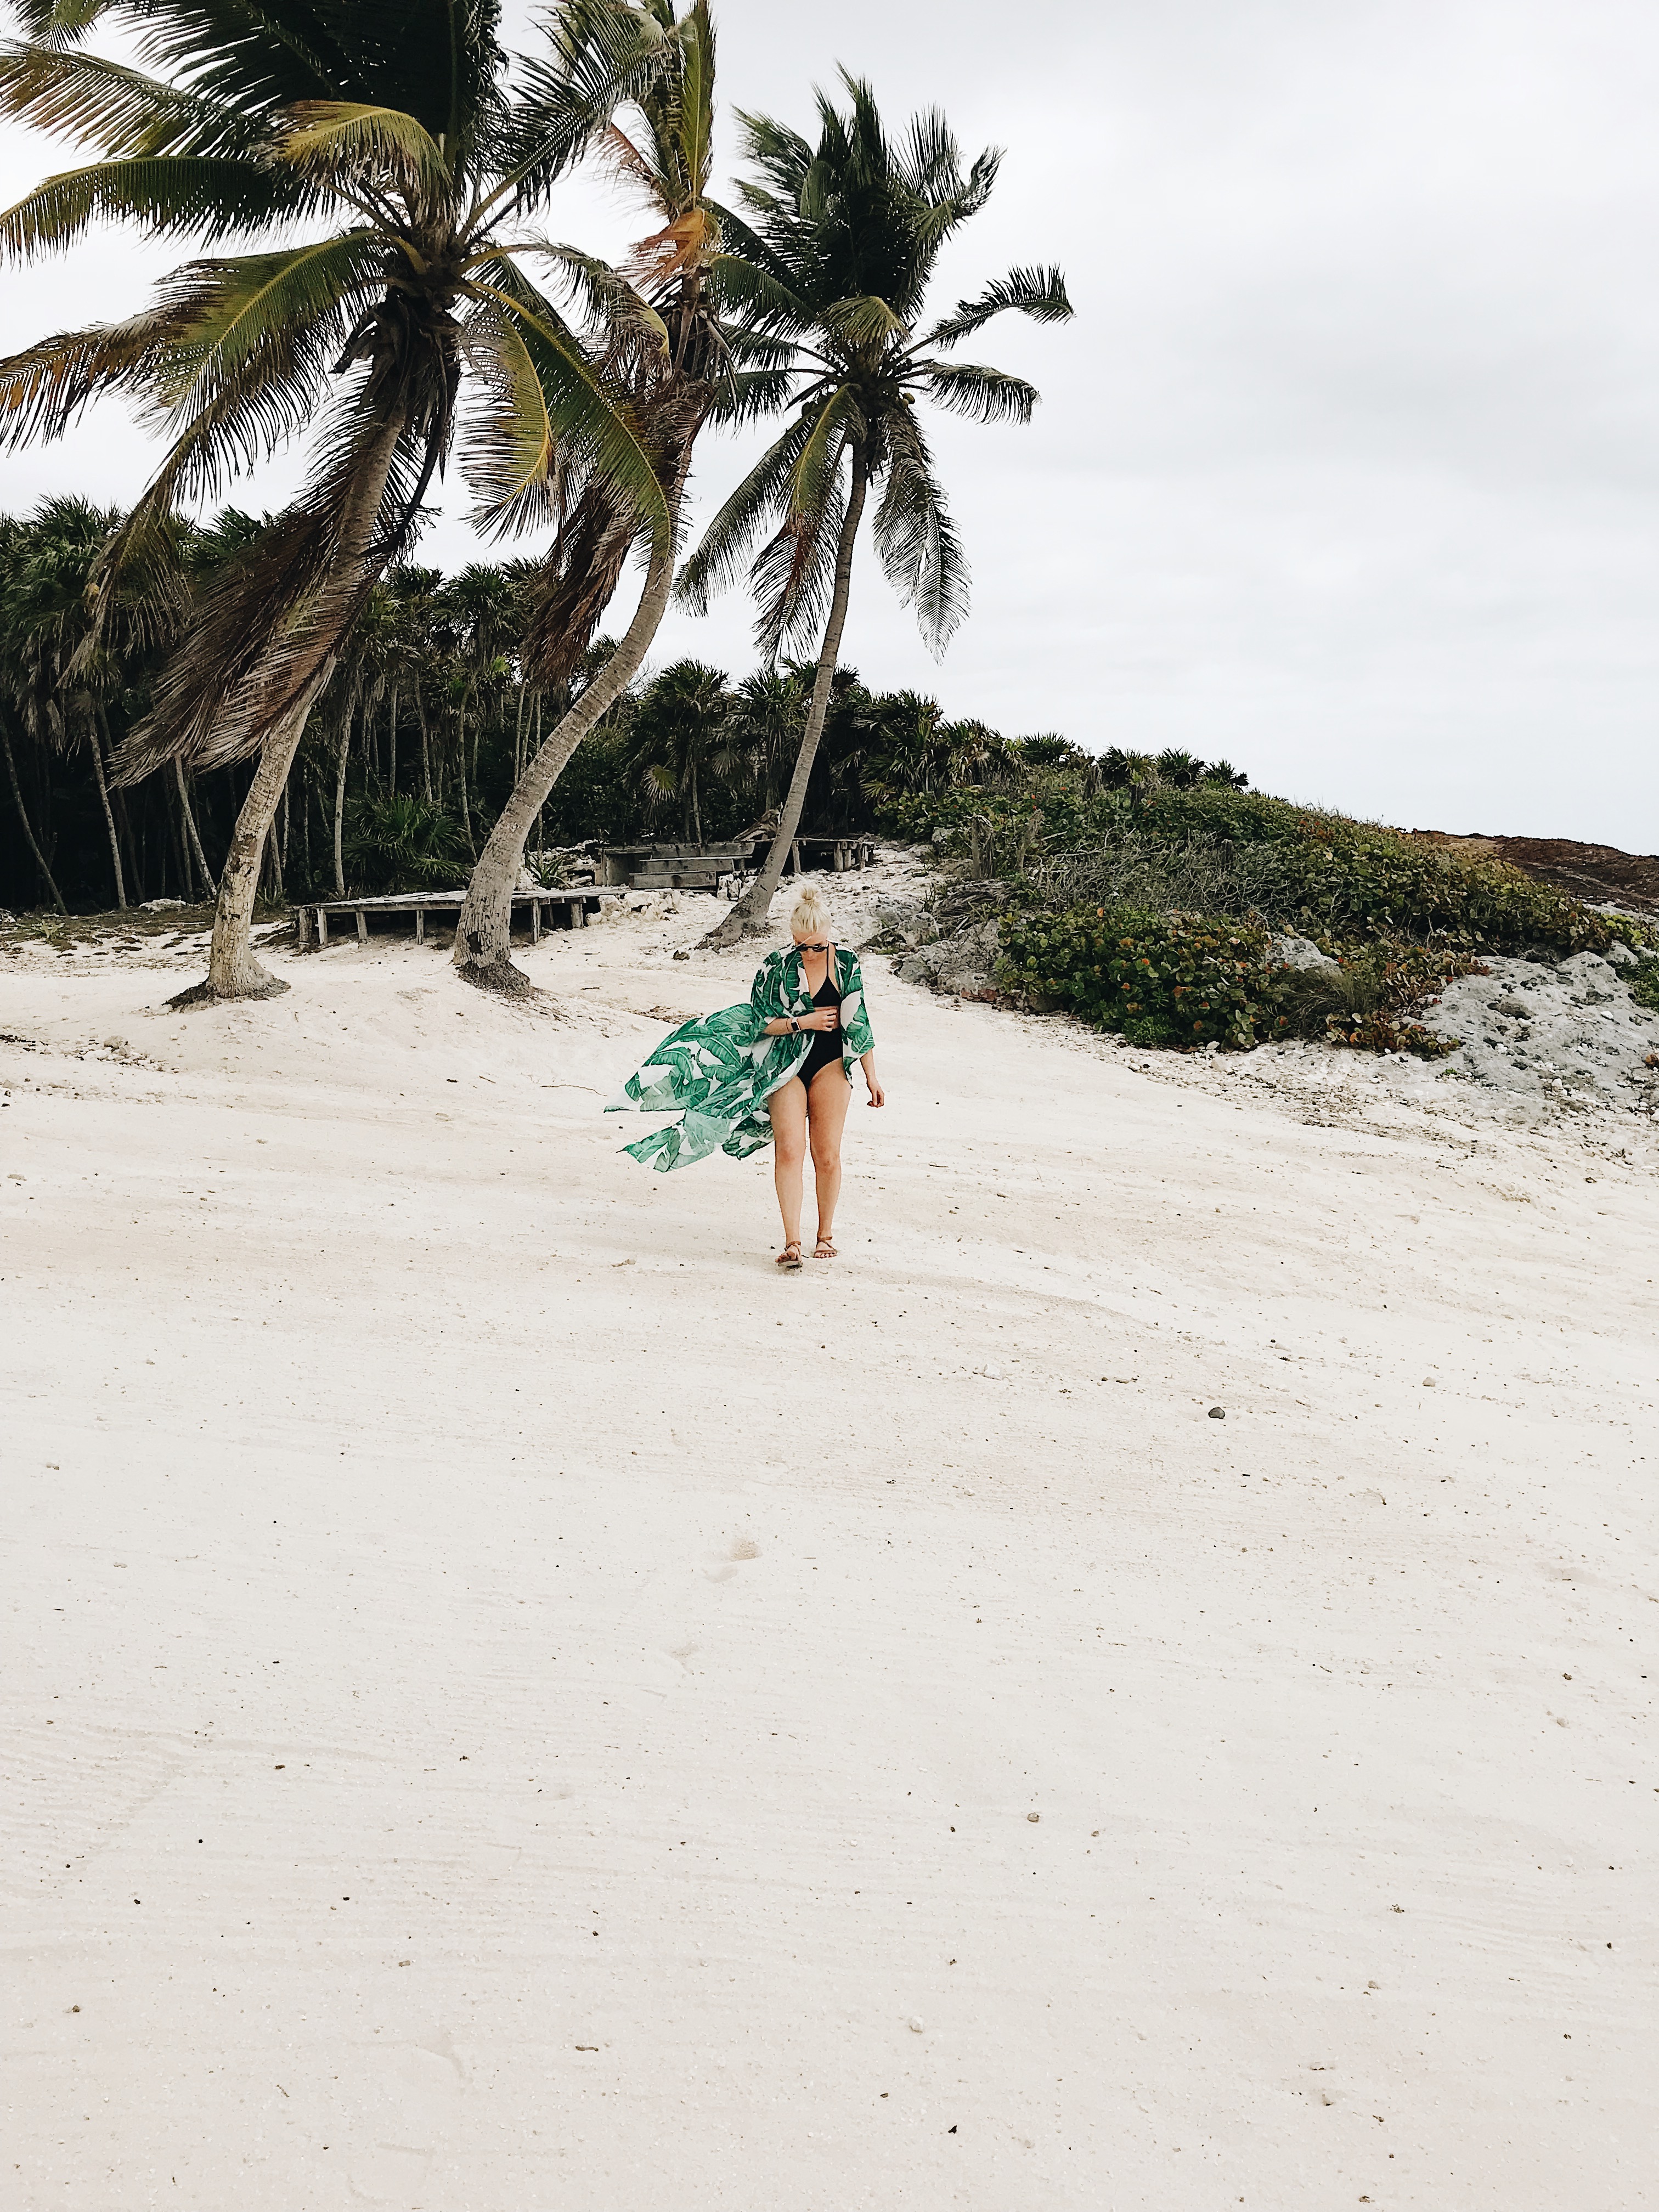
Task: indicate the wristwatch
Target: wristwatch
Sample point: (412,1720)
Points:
(794,1026)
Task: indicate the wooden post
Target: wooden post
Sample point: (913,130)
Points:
(535,921)
(304,929)
(420,924)
(794,857)
(362,926)
(322,931)
(579,913)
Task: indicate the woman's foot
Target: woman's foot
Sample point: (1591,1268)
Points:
(789,1258)
(825,1250)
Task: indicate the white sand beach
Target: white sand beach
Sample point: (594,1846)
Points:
(511,1705)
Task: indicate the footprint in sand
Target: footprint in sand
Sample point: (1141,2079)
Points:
(411,2100)
(720,1567)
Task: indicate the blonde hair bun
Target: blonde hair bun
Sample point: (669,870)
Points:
(810,915)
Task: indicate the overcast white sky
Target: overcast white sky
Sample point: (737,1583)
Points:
(1348,468)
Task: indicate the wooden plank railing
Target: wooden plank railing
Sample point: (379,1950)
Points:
(313,914)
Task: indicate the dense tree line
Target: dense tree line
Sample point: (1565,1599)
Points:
(419,737)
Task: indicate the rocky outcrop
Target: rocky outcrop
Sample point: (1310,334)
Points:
(961,964)
(1297,953)
(1565,1034)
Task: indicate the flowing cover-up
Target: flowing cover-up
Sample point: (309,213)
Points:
(715,1074)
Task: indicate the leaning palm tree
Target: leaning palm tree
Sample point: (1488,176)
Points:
(703,371)
(833,268)
(390,130)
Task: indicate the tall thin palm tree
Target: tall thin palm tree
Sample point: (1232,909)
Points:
(681,731)
(391,129)
(832,267)
(483,605)
(767,716)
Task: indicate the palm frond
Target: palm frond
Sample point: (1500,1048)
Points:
(508,437)
(1039,293)
(603,52)
(916,542)
(120,111)
(585,425)
(725,544)
(265,626)
(746,395)
(56,21)
(835,422)
(225,313)
(746,289)
(862,323)
(45,387)
(570,590)
(167,196)
(758,252)
(983,395)
(326,139)
(611,303)
(794,576)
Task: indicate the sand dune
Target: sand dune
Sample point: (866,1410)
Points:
(512,1706)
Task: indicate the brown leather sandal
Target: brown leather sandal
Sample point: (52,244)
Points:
(826,1250)
(789,1258)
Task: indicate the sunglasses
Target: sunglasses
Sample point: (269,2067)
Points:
(815,946)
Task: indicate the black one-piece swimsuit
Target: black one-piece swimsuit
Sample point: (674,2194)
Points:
(826,1043)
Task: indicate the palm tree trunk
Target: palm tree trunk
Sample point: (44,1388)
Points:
(23,817)
(189,820)
(748,917)
(109,815)
(482,933)
(274,849)
(391,747)
(466,811)
(232,971)
(426,749)
(123,813)
(339,805)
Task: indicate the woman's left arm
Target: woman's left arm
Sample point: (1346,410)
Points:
(855,1020)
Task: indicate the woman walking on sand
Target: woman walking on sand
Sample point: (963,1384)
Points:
(777,1070)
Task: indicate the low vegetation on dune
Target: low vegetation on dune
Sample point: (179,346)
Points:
(1154,898)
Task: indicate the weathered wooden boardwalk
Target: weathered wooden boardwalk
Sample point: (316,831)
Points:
(723,867)
(567,910)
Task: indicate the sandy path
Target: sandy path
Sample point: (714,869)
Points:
(509,1705)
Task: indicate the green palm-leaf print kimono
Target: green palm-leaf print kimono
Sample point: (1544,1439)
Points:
(715,1074)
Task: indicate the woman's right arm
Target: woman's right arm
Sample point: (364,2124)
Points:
(764,994)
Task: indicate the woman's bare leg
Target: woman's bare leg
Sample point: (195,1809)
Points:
(787,1107)
(827,1103)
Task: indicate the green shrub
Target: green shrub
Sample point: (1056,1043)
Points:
(1161,978)
(1642,981)
(1191,980)
(404,843)
(1367,1002)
